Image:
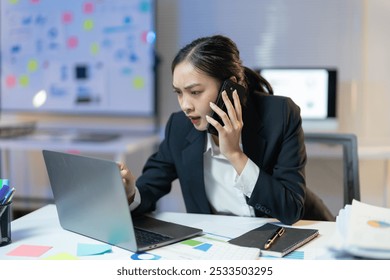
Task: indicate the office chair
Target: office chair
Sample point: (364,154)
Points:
(350,161)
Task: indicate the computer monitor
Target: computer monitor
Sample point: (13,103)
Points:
(312,89)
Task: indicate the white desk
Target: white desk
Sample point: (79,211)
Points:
(126,143)
(42,227)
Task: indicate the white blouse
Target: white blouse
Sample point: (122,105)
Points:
(225,189)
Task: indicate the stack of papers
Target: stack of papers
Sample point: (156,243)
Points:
(363,231)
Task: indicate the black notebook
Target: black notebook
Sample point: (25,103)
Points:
(291,239)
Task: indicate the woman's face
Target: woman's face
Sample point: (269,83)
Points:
(194,91)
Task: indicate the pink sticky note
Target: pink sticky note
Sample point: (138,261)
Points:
(67,17)
(72,42)
(88,7)
(10,81)
(29,251)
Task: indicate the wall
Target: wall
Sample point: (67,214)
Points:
(348,34)
(376,69)
(274,33)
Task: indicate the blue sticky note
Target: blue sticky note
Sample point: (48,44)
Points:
(92,249)
(204,247)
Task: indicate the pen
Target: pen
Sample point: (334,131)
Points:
(8,196)
(278,232)
(3,192)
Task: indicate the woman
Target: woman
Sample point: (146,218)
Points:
(253,167)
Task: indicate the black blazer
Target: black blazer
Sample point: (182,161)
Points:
(272,137)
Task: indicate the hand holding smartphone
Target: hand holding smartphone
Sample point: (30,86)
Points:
(229,86)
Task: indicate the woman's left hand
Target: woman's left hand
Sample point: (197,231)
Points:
(128,180)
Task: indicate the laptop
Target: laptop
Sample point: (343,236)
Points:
(91,201)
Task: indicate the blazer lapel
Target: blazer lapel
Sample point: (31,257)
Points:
(252,140)
(193,152)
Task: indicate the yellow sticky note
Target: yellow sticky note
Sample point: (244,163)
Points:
(61,256)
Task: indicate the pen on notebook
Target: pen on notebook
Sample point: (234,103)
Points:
(278,232)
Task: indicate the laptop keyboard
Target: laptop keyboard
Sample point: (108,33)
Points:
(145,237)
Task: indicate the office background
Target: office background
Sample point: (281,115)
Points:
(349,35)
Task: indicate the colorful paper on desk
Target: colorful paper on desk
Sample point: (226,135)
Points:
(92,249)
(205,247)
(191,242)
(61,256)
(29,251)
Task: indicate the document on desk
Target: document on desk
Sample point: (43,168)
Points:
(205,247)
(365,230)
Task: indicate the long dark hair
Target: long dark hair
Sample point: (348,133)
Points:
(218,57)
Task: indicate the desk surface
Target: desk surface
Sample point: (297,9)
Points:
(68,141)
(15,168)
(42,227)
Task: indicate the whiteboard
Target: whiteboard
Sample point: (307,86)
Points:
(78,57)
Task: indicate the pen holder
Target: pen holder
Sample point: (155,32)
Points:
(5,224)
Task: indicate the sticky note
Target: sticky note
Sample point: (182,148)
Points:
(204,247)
(88,7)
(29,251)
(10,81)
(61,256)
(32,65)
(67,17)
(24,80)
(191,242)
(88,24)
(92,249)
(72,42)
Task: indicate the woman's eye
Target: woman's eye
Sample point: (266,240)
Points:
(195,92)
(178,92)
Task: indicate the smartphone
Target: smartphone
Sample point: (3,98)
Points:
(229,86)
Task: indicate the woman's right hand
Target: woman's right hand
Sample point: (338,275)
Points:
(229,133)
(128,181)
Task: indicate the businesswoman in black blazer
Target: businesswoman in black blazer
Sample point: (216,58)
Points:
(254,166)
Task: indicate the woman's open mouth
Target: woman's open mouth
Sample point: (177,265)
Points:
(195,120)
